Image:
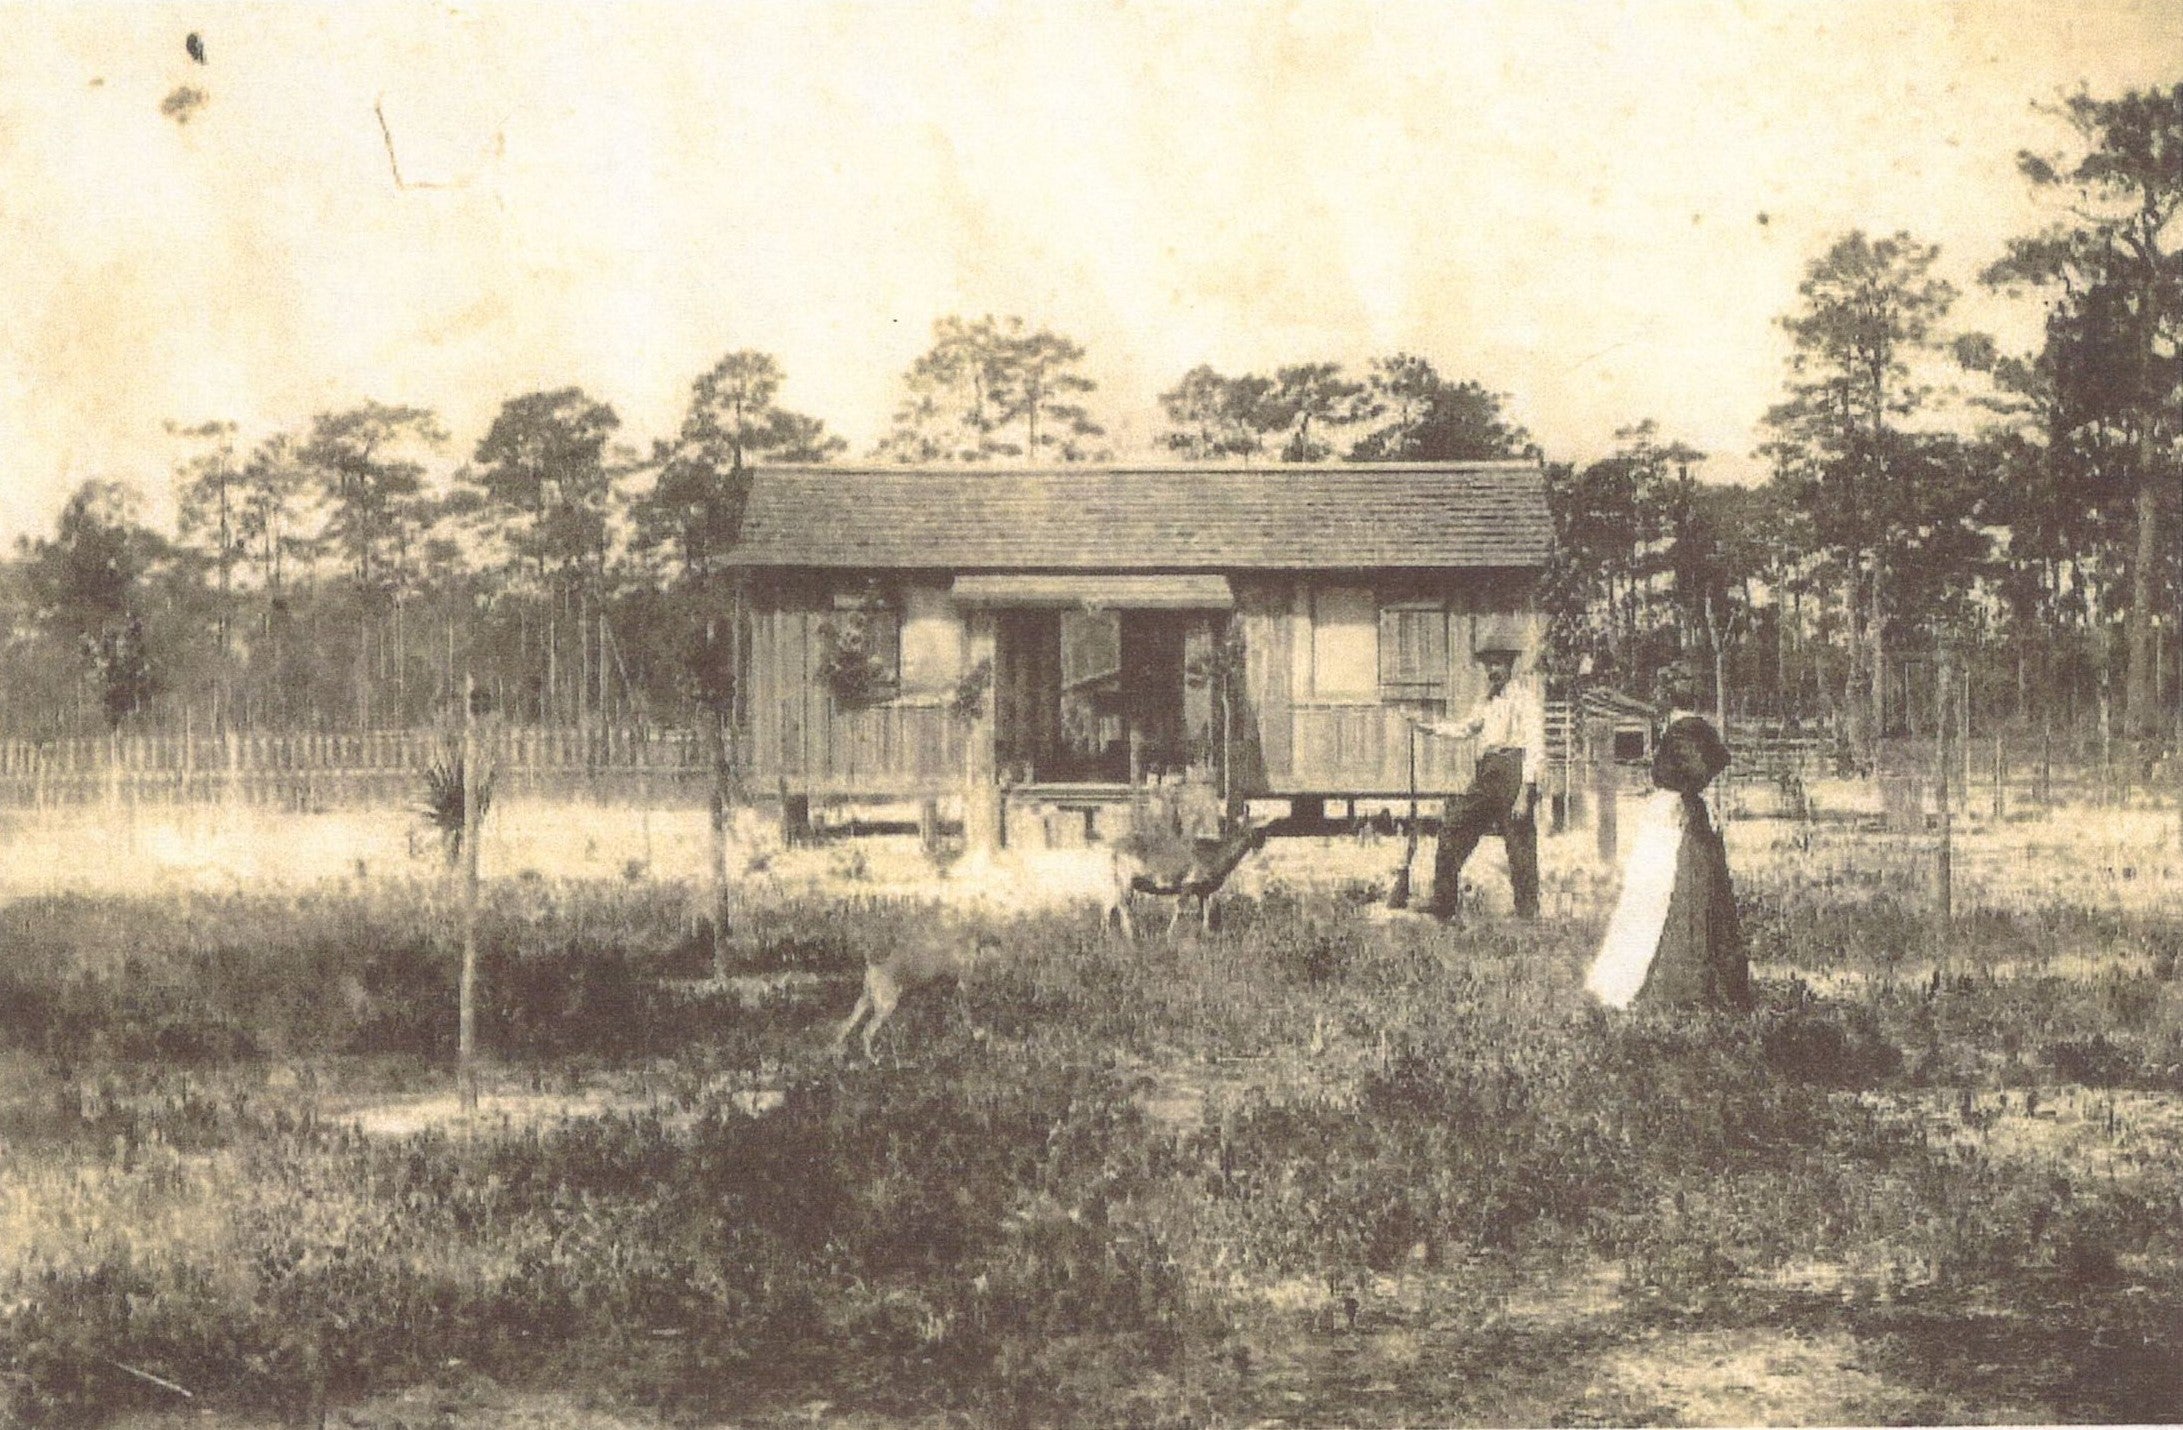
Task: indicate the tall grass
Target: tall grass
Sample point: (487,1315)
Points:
(1072,1195)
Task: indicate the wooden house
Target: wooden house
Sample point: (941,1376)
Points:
(1066,633)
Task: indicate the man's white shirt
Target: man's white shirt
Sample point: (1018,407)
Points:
(1514,719)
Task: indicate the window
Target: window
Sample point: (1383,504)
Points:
(1414,653)
(860,648)
(931,640)
(1345,640)
(1091,647)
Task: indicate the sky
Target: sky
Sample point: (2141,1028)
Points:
(1599,209)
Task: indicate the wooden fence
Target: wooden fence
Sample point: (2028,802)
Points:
(1341,750)
(307,770)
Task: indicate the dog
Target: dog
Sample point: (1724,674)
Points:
(1175,866)
(917,963)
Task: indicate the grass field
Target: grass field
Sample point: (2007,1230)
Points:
(1319,1167)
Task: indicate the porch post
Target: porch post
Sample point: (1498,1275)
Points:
(981,791)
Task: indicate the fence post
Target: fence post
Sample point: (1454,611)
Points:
(2001,771)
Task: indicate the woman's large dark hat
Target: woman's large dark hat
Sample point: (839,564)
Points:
(1676,675)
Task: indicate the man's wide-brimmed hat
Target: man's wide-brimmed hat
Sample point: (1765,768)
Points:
(1500,651)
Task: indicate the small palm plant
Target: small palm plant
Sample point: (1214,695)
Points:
(443,800)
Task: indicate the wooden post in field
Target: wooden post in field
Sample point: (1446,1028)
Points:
(2046,761)
(1603,790)
(1943,859)
(2001,771)
(721,813)
(2175,751)
(795,816)
(1231,809)
(1963,727)
(2107,744)
(467,1037)
(726,759)
(1720,709)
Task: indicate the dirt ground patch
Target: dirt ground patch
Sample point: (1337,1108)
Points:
(460,1408)
(1756,1377)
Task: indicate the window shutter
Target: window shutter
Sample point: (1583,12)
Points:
(885,624)
(1413,653)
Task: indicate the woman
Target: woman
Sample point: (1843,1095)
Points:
(1674,939)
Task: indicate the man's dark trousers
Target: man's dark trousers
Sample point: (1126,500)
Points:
(1488,807)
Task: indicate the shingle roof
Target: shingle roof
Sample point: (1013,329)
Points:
(1188,518)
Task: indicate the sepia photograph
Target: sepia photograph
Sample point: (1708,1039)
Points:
(1091,713)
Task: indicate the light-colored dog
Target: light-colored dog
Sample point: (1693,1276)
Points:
(940,957)
(1175,867)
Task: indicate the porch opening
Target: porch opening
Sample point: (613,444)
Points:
(1102,696)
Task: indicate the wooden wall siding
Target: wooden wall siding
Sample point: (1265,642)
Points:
(781,690)
(1364,749)
(1263,734)
(886,749)
(800,736)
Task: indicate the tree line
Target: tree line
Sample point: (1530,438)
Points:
(1928,490)
(351,572)
(1924,487)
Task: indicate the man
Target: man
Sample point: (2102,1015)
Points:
(1510,727)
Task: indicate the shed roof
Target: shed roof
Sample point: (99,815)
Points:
(1096,590)
(1334,517)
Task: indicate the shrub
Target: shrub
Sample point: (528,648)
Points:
(2094,1062)
(1831,1047)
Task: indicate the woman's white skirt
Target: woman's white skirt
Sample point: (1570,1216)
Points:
(1641,913)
